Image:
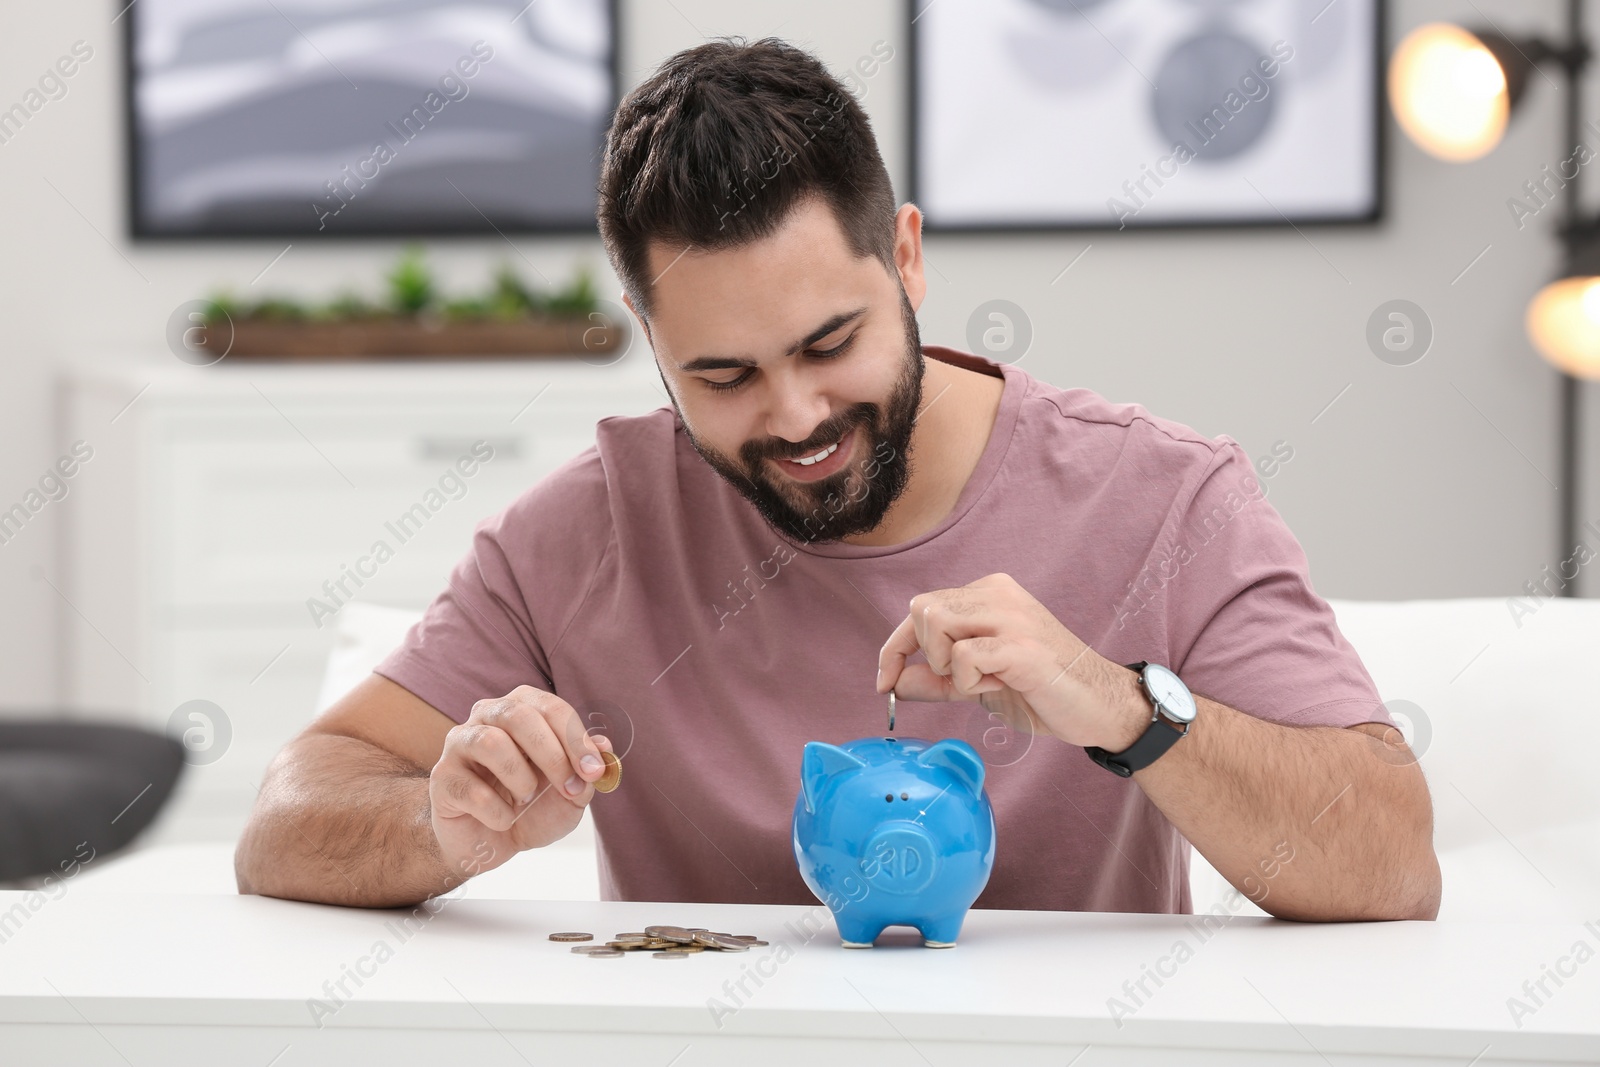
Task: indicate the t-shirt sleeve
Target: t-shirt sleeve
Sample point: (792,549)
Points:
(1245,626)
(496,624)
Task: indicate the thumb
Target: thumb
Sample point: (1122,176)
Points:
(918,681)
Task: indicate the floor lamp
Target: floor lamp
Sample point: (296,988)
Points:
(1453,91)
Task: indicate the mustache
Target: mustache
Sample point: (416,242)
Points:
(825,436)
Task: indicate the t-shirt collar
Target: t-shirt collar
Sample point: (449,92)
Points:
(994,453)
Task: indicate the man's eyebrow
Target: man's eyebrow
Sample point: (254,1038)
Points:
(735,362)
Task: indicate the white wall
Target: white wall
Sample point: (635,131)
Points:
(1401,489)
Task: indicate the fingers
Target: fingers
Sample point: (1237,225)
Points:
(981,665)
(892,656)
(937,621)
(939,626)
(977,666)
(499,758)
(918,682)
(549,734)
(455,788)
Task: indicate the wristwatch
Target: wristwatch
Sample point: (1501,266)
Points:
(1172,712)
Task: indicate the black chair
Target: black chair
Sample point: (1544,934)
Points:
(64,784)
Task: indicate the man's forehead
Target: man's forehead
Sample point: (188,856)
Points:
(761,299)
(808,241)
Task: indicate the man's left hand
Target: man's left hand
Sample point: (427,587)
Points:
(992,642)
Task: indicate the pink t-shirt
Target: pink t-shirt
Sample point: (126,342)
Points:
(638,586)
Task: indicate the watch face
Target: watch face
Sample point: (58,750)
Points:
(1173,696)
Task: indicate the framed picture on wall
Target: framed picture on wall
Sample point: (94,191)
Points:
(1115,114)
(331,118)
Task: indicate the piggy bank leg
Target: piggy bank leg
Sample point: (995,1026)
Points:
(857,933)
(941,932)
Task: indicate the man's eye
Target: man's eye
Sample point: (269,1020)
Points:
(828,353)
(730,385)
(837,350)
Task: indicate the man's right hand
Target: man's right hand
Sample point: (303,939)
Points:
(505,781)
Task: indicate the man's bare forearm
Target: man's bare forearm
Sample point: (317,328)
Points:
(342,821)
(1312,823)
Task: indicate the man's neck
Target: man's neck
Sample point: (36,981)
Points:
(952,429)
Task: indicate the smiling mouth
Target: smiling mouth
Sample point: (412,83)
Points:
(820,463)
(817,457)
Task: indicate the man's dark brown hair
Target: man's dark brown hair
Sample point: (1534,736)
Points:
(722,142)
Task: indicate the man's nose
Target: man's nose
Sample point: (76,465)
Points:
(796,411)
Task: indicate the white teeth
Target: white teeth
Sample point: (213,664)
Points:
(824,454)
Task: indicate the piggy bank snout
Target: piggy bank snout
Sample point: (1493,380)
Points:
(900,858)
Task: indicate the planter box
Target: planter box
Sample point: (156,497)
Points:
(385,338)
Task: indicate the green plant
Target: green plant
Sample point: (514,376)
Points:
(411,288)
(280,307)
(471,307)
(222,305)
(348,305)
(578,298)
(413,292)
(511,298)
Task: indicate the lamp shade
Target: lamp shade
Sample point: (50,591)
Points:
(1564,325)
(1449,92)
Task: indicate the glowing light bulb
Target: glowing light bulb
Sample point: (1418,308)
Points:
(1563,323)
(1477,74)
(1591,301)
(1448,92)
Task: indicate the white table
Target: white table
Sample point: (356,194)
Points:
(169,979)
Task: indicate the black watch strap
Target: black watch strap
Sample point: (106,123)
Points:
(1159,736)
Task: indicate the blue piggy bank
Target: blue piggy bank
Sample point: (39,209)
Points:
(894,831)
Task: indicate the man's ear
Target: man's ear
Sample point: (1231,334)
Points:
(908,253)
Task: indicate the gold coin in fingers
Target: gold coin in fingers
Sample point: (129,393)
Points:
(613,774)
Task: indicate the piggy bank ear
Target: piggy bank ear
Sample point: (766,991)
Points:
(958,758)
(820,762)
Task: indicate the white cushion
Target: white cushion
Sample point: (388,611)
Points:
(1503,709)
(365,634)
(1508,706)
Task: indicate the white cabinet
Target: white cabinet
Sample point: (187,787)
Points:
(220,501)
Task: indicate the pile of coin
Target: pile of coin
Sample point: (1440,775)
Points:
(662,942)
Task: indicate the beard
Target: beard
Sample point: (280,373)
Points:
(854,499)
